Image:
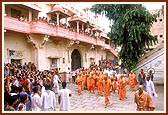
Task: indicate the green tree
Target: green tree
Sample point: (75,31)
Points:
(130,29)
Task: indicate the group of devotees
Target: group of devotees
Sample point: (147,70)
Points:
(37,91)
(110,81)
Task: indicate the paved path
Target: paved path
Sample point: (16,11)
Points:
(88,102)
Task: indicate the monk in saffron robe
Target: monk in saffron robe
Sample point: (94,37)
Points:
(114,83)
(88,80)
(100,83)
(84,80)
(143,100)
(132,80)
(107,86)
(122,87)
(95,77)
(92,82)
(79,82)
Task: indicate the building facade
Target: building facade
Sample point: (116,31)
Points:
(154,59)
(53,35)
(157,29)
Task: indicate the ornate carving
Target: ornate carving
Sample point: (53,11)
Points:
(71,43)
(77,42)
(157,63)
(51,45)
(92,47)
(30,40)
(103,48)
(44,41)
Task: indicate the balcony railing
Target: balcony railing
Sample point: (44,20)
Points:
(44,28)
(14,24)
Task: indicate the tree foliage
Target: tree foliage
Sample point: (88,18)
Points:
(130,29)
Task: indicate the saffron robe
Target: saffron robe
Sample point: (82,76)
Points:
(107,87)
(143,101)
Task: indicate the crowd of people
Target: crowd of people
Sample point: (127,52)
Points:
(109,80)
(28,89)
(22,18)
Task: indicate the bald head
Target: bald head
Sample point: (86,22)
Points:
(140,88)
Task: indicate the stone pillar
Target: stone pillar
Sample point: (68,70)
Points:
(77,26)
(91,32)
(85,55)
(88,28)
(96,34)
(30,15)
(95,56)
(38,56)
(68,56)
(57,18)
(40,60)
(83,27)
(66,22)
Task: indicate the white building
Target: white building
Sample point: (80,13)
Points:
(53,35)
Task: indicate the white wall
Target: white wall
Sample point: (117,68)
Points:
(17,42)
(39,56)
(157,62)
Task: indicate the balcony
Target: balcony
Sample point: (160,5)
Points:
(40,27)
(111,49)
(44,28)
(14,24)
(100,42)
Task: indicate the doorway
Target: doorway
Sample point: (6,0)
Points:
(76,60)
(18,61)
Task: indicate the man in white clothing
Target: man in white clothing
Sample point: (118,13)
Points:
(64,95)
(36,100)
(150,89)
(56,81)
(49,99)
(117,74)
(68,75)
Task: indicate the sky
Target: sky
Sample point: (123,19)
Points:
(148,5)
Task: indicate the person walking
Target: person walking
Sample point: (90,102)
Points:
(92,82)
(48,99)
(64,95)
(100,83)
(56,81)
(142,79)
(151,75)
(79,83)
(122,87)
(68,75)
(107,86)
(150,88)
(36,100)
(132,80)
(143,100)
(114,82)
